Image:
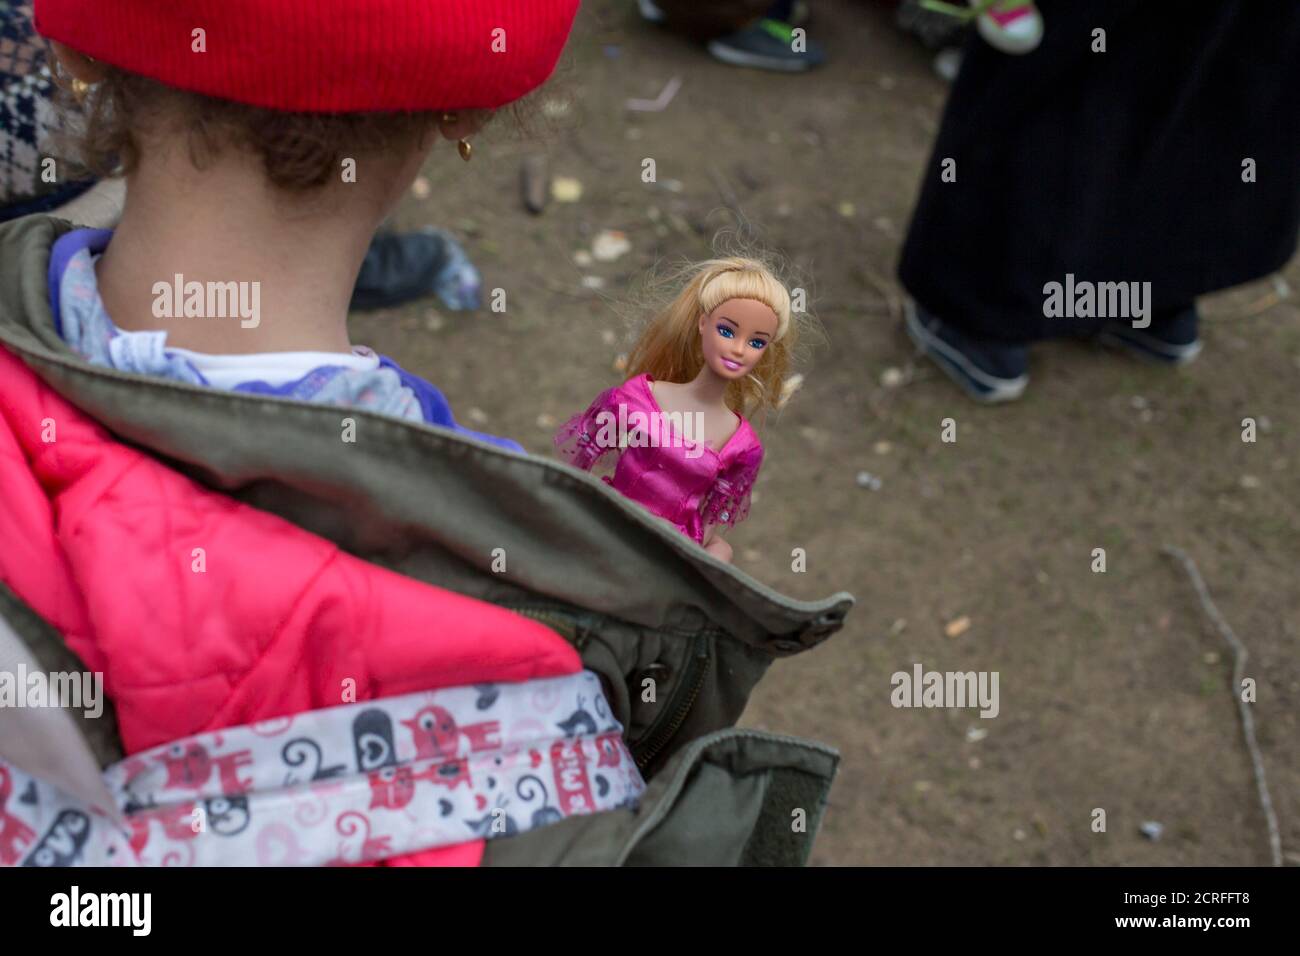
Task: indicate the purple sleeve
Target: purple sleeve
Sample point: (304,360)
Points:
(61,253)
(436,409)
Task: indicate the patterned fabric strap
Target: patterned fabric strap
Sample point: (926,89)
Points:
(347,784)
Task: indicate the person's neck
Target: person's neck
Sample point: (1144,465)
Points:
(708,388)
(227,224)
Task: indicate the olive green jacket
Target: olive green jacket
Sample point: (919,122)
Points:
(636,598)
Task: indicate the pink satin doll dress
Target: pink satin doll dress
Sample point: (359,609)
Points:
(686,482)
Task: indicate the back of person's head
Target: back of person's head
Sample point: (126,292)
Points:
(303,85)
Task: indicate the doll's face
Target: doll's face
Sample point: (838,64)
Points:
(735,335)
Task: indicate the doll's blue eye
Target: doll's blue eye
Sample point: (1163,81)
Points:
(725,332)
(757,343)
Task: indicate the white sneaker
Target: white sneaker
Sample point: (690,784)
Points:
(1012,26)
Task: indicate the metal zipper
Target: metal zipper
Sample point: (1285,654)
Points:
(658,736)
(661,733)
(563,624)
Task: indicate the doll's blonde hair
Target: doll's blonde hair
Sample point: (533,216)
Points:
(669,349)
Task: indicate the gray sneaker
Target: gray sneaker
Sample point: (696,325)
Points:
(986,370)
(1172,338)
(767,45)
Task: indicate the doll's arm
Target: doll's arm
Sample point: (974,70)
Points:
(718,547)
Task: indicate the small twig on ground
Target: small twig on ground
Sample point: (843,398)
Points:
(886,290)
(602,163)
(1239,656)
(1280,292)
(862,305)
(561,289)
(683,229)
(660,102)
(726,193)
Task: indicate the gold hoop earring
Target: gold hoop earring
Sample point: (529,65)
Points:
(465,149)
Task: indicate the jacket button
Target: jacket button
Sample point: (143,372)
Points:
(823,627)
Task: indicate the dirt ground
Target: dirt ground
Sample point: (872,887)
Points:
(1116,691)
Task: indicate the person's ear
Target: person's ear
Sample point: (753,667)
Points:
(461,124)
(78,65)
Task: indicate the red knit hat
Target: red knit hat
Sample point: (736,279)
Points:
(345,56)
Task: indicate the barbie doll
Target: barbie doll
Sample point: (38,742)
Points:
(675,433)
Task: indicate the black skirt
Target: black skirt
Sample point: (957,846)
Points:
(1120,166)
